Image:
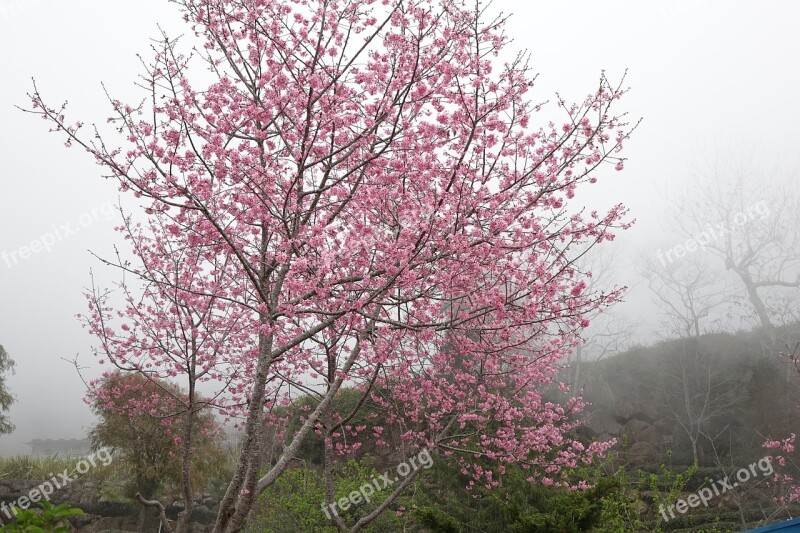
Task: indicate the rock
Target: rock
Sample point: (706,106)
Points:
(642,453)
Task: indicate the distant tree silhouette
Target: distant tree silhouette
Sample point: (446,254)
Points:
(752,229)
(686,292)
(6,398)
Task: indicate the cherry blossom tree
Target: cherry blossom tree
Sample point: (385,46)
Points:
(175,324)
(360,198)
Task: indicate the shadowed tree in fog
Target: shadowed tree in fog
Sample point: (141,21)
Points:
(6,398)
(698,390)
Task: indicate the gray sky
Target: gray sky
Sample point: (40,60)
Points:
(705,75)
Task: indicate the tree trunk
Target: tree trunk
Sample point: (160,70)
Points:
(337,520)
(752,294)
(142,518)
(182,525)
(758,304)
(237,502)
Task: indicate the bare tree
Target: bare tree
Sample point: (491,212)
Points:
(609,332)
(746,216)
(686,293)
(741,496)
(697,392)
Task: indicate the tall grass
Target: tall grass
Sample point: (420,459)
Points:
(113,477)
(45,467)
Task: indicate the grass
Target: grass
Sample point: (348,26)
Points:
(42,468)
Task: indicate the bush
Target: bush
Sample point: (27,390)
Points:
(295,502)
(51,519)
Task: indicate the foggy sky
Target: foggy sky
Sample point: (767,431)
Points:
(705,75)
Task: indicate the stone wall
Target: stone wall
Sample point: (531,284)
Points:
(101,516)
(78,492)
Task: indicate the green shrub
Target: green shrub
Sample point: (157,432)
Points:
(294,502)
(51,519)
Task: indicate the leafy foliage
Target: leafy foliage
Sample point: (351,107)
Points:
(438,502)
(295,502)
(51,519)
(516,505)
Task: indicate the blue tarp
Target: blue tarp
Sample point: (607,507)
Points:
(783,527)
